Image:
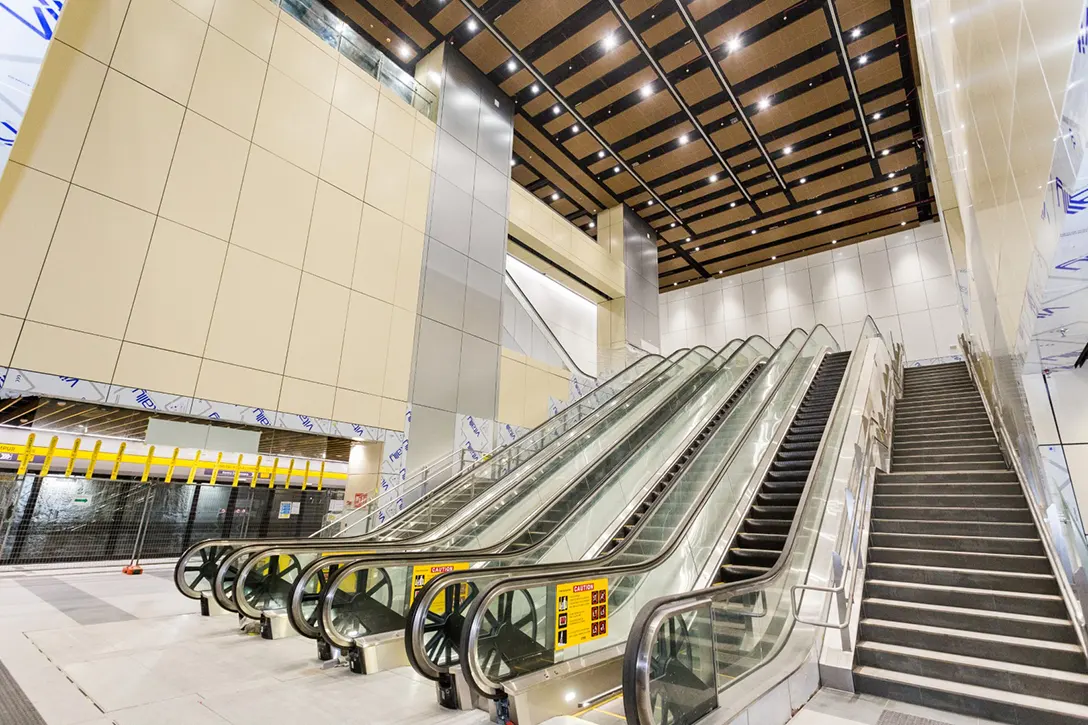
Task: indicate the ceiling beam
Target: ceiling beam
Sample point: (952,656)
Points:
(848,72)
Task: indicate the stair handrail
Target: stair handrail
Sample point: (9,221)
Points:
(654,614)
(992,405)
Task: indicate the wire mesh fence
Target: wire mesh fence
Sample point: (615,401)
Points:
(58,519)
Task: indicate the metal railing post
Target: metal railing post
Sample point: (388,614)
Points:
(141,532)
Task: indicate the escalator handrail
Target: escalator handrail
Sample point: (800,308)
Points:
(553,340)
(179,568)
(550,574)
(484,554)
(641,637)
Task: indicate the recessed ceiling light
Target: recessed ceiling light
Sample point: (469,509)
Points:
(788,150)
(834,241)
(555,110)
(753,231)
(891,175)
(575,128)
(804,179)
(885,152)
(902,224)
(734,44)
(472,25)
(672,225)
(535,89)
(609,42)
(592,224)
(696,249)
(615,169)
(688,239)
(513,161)
(674,284)
(957,85)
(650,202)
(405,51)
(646,90)
(855,33)
(713,178)
(555,196)
(876,116)
(511,66)
(764,103)
(819,212)
(773,258)
(732,204)
(600,154)
(863,60)
(683,139)
(895,188)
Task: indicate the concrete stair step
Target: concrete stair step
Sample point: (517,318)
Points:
(973,620)
(966,477)
(1004,648)
(980,501)
(931,513)
(1004,581)
(1044,605)
(938,403)
(1008,676)
(950,467)
(953,528)
(974,544)
(949,488)
(907,457)
(960,559)
(985,702)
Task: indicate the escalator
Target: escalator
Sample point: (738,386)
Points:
(676,546)
(538,498)
(197,569)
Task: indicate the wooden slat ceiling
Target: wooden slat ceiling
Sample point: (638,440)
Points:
(826,145)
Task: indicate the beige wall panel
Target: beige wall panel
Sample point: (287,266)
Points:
(90,275)
(48,349)
(228,85)
(377,255)
(200,8)
(306,398)
(390,165)
(346,157)
(398,365)
(303,61)
(357,407)
(9,335)
(392,414)
(334,235)
(247,24)
(274,209)
(423,142)
(366,337)
(291,122)
(92,27)
(409,266)
(395,123)
(418,196)
(150,368)
(242,386)
(356,94)
(317,332)
(176,296)
(30,204)
(160,46)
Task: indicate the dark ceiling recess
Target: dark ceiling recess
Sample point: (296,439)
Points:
(741,131)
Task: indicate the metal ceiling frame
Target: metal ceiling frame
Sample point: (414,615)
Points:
(618,11)
(848,70)
(719,74)
(505,42)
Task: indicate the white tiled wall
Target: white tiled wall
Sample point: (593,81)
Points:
(904,281)
(219,206)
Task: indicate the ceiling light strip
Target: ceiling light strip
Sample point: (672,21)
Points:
(680,101)
(855,95)
(499,36)
(724,83)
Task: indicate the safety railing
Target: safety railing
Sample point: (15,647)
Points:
(56,519)
(339,35)
(684,651)
(1058,525)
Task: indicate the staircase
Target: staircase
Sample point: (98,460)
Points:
(961,610)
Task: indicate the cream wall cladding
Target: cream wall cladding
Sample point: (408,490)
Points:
(208,200)
(903,280)
(527,389)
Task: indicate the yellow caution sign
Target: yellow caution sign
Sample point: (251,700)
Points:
(581,612)
(423,573)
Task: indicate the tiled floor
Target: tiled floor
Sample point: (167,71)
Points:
(92,649)
(832,707)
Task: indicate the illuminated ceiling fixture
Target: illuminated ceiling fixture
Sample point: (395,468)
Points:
(732,204)
(674,284)
(891,175)
(650,202)
(819,212)
(600,154)
(834,241)
(609,42)
(512,162)
(885,152)
(683,139)
(615,169)
(511,66)
(646,90)
(688,239)
(713,178)
(734,44)
(555,110)
(405,51)
(902,224)
(773,258)
(788,150)
(863,60)
(804,179)
(535,89)
(555,196)
(575,128)
(855,33)
(764,104)
(696,249)
(876,116)
(753,231)
(592,224)
(472,26)
(895,188)
(672,225)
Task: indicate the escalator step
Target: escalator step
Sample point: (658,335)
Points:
(753,557)
(766,526)
(736,573)
(782,513)
(752,540)
(778,499)
(784,486)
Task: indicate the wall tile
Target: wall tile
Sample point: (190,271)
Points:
(775,290)
(356,94)
(334,234)
(445,275)
(389,164)
(491,186)
(803,316)
(367,330)
(733,303)
(774,270)
(423,142)
(889,326)
(822,280)
(346,157)
(409,269)
(477,382)
(317,332)
(904,264)
(880,303)
(398,362)
(483,295)
(755,302)
(713,309)
(496,135)
(303,61)
(928,231)
(10,327)
(455,162)
(291,122)
(875,271)
(511,407)
(778,322)
(30,205)
(848,277)
(92,228)
(160,46)
(247,24)
(130,143)
(826,312)
(150,368)
(48,349)
(946,328)
(941,292)
(248,324)
(933,258)
(176,294)
(306,397)
(460,116)
(274,208)
(910,297)
(200,8)
(92,27)
(377,254)
(243,386)
(437,365)
(393,414)
(228,84)
(853,308)
(205,177)
(354,407)
(417,199)
(799,288)
(898,239)
(869,246)
(450,220)
(918,335)
(394,123)
(756,325)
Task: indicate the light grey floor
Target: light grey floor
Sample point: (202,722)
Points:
(92,649)
(832,707)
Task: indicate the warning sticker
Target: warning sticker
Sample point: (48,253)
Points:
(423,573)
(581,612)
